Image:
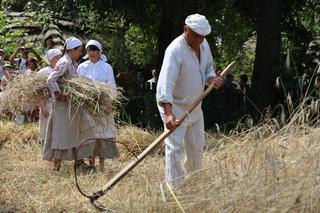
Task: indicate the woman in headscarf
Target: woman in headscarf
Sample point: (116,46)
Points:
(65,126)
(98,70)
(51,58)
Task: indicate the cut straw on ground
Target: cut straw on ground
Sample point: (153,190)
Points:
(263,169)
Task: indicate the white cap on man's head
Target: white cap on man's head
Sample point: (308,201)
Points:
(94,43)
(72,42)
(199,24)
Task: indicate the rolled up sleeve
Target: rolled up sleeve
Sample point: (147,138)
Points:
(168,75)
(209,69)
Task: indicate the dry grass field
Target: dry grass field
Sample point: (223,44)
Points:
(262,169)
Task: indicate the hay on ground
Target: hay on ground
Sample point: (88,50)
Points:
(264,169)
(136,140)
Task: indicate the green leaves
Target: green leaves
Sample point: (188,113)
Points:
(8,37)
(141,46)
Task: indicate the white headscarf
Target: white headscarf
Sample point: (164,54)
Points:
(96,43)
(199,24)
(51,54)
(103,57)
(72,42)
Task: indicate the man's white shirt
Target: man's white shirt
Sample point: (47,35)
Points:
(182,78)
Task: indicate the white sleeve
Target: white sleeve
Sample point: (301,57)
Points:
(110,76)
(41,71)
(209,69)
(168,75)
(16,61)
(80,70)
(55,75)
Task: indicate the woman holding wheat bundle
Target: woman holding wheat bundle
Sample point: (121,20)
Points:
(98,70)
(51,58)
(65,125)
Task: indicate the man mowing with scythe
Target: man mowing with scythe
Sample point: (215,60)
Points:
(187,67)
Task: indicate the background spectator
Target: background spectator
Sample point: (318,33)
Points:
(243,92)
(32,66)
(152,83)
(22,61)
(49,44)
(140,84)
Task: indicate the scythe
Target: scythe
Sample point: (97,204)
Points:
(113,181)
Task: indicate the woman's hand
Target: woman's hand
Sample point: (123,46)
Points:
(60,96)
(44,111)
(109,109)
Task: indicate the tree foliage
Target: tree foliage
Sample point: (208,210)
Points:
(138,31)
(8,37)
(141,46)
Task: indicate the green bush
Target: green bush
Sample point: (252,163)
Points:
(8,38)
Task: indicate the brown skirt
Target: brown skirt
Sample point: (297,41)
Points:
(43,121)
(67,128)
(67,154)
(64,133)
(100,148)
(106,149)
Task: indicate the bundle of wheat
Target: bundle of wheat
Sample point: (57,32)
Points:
(91,96)
(135,139)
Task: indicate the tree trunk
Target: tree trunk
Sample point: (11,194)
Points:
(166,30)
(267,59)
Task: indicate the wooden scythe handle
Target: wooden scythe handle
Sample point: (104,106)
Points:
(154,144)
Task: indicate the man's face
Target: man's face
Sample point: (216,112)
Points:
(140,78)
(193,38)
(24,52)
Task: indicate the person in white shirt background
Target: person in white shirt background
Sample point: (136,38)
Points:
(22,61)
(152,83)
(98,70)
(32,66)
(187,67)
